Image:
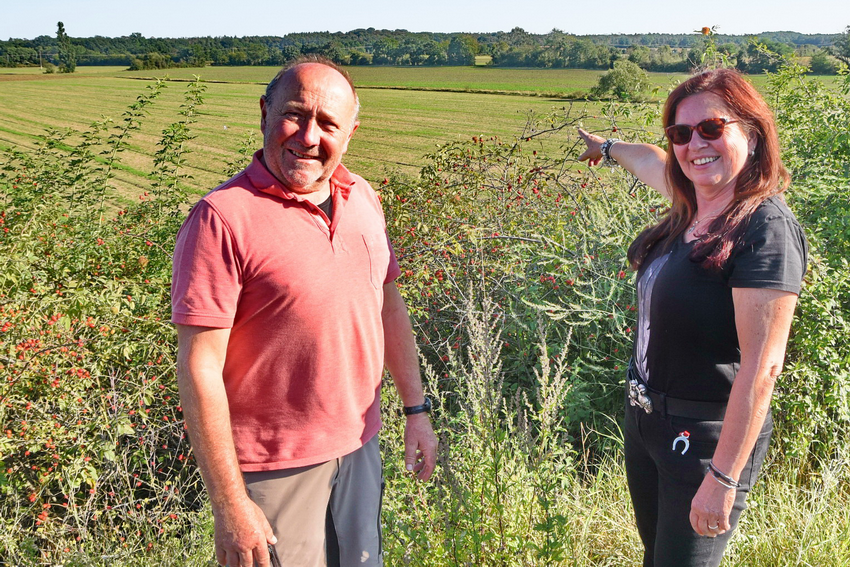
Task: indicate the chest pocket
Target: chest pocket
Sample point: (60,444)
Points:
(379,257)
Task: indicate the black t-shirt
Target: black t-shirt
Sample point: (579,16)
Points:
(686,343)
(327,207)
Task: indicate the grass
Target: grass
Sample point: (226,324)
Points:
(5,72)
(790,524)
(530,81)
(397,126)
(406,112)
(785,525)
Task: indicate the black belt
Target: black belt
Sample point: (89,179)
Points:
(664,404)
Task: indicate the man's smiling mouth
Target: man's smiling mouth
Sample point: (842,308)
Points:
(302,155)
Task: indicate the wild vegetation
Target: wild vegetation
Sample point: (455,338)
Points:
(513,259)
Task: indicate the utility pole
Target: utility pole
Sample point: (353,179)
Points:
(40,66)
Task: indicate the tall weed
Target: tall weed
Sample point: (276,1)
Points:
(510,490)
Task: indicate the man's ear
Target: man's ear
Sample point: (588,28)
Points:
(350,134)
(263,111)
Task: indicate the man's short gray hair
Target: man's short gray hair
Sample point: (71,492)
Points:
(272,86)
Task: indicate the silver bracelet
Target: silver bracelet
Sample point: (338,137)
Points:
(722,478)
(722,482)
(605,150)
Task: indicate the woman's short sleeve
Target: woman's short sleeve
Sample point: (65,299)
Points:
(773,253)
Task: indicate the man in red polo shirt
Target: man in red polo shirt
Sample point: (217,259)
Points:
(287,312)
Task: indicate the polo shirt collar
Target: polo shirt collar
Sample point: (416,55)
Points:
(342,181)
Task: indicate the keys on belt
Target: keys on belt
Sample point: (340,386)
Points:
(638,396)
(648,400)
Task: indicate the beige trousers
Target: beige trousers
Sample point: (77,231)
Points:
(325,515)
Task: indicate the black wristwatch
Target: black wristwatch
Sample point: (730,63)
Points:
(424,408)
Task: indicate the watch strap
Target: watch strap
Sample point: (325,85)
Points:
(422,408)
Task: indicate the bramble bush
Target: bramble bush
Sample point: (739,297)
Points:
(544,235)
(513,261)
(813,396)
(94,458)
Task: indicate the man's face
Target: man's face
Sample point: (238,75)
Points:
(307,125)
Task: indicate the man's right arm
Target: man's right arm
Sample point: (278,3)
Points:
(241,528)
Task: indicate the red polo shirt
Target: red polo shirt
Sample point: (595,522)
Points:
(303,301)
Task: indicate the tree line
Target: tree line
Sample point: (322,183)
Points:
(516,48)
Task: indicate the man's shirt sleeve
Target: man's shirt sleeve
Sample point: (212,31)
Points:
(206,277)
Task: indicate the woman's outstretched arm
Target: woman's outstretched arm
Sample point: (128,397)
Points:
(645,161)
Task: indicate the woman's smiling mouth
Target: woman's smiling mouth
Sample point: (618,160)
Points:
(705,160)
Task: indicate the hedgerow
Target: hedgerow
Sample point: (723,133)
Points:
(93,452)
(513,266)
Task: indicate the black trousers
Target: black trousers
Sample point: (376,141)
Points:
(663,482)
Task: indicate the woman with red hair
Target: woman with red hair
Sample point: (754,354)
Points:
(717,281)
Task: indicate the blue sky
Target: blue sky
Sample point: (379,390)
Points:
(180,18)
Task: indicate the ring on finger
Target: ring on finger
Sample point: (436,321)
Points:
(713,527)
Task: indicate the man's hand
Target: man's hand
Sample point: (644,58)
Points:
(420,446)
(242,535)
(401,359)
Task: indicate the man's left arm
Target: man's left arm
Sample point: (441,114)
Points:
(402,360)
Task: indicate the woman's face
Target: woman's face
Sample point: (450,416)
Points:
(712,165)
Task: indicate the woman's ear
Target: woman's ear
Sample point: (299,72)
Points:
(752,143)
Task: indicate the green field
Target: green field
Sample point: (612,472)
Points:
(532,82)
(398,125)
(406,111)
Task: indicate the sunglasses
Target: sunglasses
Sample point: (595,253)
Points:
(708,129)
